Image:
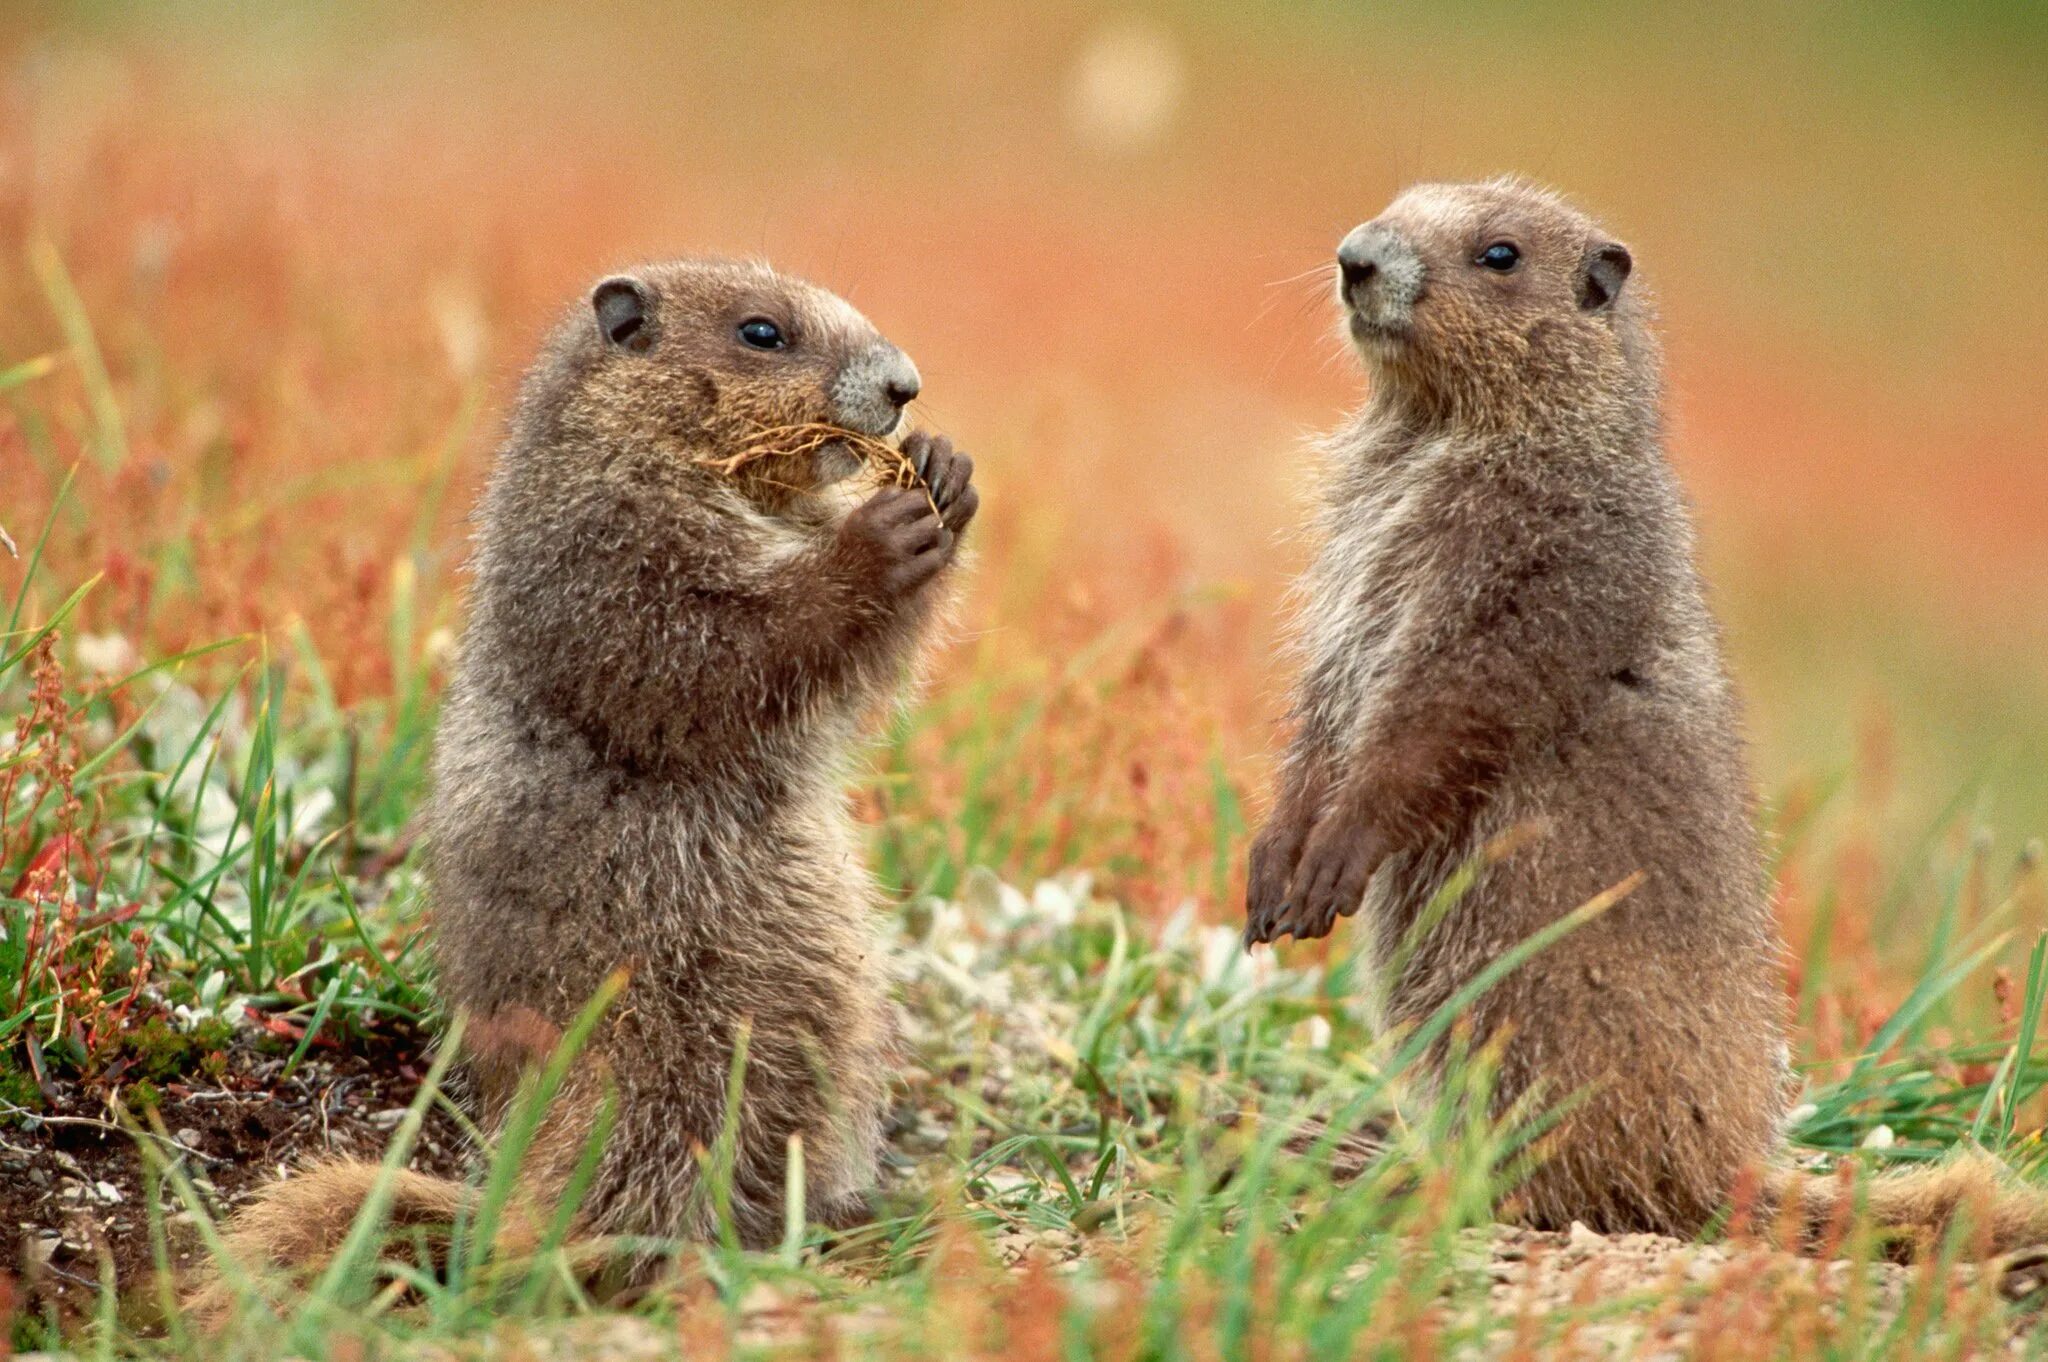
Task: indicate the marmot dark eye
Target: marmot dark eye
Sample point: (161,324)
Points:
(1500,256)
(762,334)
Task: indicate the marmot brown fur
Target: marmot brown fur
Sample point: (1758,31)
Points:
(1504,631)
(642,757)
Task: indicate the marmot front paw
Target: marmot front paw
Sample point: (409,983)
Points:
(1275,853)
(948,473)
(896,542)
(1329,881)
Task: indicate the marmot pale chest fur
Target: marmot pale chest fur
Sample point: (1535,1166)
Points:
(1505,644)
(642,756)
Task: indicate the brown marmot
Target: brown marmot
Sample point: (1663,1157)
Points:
(642,756)
(1504,631)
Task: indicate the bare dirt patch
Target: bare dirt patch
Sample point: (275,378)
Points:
(72,1187)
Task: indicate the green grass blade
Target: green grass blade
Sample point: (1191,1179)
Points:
(793,1218)
(35,556)
(27,371)
(318,1020)
(1507,963)
(345,1281)
(725,1149)
(49,626)
(110,438)
(524,1122)
(2023,1047)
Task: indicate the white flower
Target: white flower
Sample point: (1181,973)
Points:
(1225,963)
(311,810)
(106,654)
(1178,925)
(1057,902)
(990,901)
(948,925)
(1314,1033)
(439,647)
(1880,1137)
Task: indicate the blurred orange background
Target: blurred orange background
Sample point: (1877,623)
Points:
(315,245)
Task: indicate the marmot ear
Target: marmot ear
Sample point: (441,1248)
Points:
(1601,277)
(621,304)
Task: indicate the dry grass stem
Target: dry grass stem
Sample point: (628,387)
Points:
(886,464)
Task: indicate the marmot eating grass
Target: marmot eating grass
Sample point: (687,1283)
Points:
(673,641)
(1505,645)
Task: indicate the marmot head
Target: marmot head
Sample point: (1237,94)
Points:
(707,354)
(1497,303)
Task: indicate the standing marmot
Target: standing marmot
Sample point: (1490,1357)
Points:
(642,756)
(1504,629)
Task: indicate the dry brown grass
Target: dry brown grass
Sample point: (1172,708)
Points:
(794,447)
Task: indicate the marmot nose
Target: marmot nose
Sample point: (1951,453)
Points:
(1361,257)
(871,391)
(1378,273)
(1356,272)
